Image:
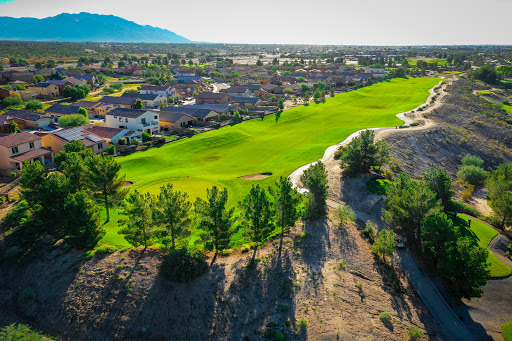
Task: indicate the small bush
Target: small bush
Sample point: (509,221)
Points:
(106,249)
(27,295)
(121,141)
(302,325)
(146,136)
(111,150)
(183,265)
(414,124)
(339,153)
(378,186)
(370,230)
(415,334)
(225,252)
(359,285)
(13,252)
(246,248)
(341,265)
(471,174)
(21,332)
(471,160)
(386,317)
(344,214)
(467,192)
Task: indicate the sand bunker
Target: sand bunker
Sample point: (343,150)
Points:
(127,183)
(257,176)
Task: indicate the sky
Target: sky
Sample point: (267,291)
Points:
(336,22)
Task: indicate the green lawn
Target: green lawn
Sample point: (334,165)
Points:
(276,144)
(506,331)
(482,234)
(438,61)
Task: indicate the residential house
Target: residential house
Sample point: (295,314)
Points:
(56,111)
(148,100)
(236,91)
(25,76)
(166,90)
(4,93)
(17,148)
(5,124)
(74,81)
(199,114)
(212,98)
(185,71)
(45,90)
(188,84)
(90,80)
(95,109)
(246,102)
(57,139)
(112,135)
(28,119)
(134,119)
(61,84)
(218,108)
(123,102)
(175,121)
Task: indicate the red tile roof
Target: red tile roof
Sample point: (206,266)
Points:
(32,154)
(17,139)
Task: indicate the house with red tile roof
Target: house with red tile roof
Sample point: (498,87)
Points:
(18,148)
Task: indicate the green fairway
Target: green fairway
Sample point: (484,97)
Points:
(276,144)
(506,331)
(430,61)
(482,234)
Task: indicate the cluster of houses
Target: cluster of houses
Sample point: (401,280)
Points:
(254,90)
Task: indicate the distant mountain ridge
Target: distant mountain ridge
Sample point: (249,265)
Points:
(83,26)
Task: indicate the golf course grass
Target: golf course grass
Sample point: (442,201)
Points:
(278,144)
(506,331)
(482,234)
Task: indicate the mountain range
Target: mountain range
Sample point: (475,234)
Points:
(83,26)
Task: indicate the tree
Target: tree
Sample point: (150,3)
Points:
(138,226)
(215,219)
(37,78)
(499,189)
(436,234)
(471,160)
(440,183)
(105,180)
(471,174)
(14,128)
(384,244)
(75,169)
(315,180)
(280,104)
(83,228)
(33,105)
(286,201)
(465,268)
(73,120)
(363,152)
(408,203)
(486,73)
(257,213)
(173,212)
(83,112)
(12,101)
(76,93)
(138,104)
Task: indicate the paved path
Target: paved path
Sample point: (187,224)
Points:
(435,302)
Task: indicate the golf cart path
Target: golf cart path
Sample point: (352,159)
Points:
(421,282)
(408,117)
(434,301)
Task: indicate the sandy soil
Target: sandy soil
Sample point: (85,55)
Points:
(121,296)
(257,176)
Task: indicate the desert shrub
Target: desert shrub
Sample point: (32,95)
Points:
(18,214)
(415,334)
(344,214)
(27,295)
(245,248)
(378,186)
(414,124)
(386,317)
(370,230)
(471,160)
(105,249)
(338,153)
(467,192)
(388,174)
(183,265)
(21,332)
(472,174)
(302,325)
(121,141)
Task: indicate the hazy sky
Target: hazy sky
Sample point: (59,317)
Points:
(367,22)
